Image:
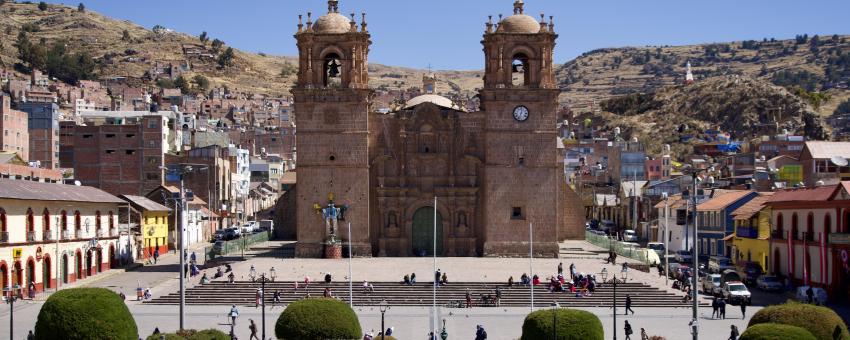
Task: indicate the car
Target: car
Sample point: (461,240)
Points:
(630,236)
(219,235)
(231,234)
(750,271)
(769,283)
(711,284)
(736,292)
(684,256)
(819,295)
(717,264)
(658,247)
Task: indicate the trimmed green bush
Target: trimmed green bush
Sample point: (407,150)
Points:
(822,322)
(318,318)
(776,331)
(85,313)
(191,334)
(572,324)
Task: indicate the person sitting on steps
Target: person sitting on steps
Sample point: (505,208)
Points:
(231,278)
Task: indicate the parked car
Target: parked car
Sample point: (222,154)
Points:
(630,236)
(819,296)
(684,256)
(608,226)
(219,235)
(711,284)
(769,283)
(231,234)
(717,264)
(729,275)
(736,292)
(266,225)
(750,271)
(658,247)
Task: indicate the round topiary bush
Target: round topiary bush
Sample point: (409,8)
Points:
(85,313)
(776,331)
(822,322)
(572,324)
(191,334)
(318,318)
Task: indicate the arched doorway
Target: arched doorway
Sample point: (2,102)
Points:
(776,262)
(99,256)
(30,272)
(112,261)
(88,263)
(79,259)
(4,275)
(46,270)
(64,268)
(423,232)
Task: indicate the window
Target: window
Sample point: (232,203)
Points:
(87,136)
(152,124)
(332,70)
(519,70)
(131,135)
(110,135)
(516,213)
(130,152)
(110,152)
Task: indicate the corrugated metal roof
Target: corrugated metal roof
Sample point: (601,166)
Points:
(822,193)
(145,203)
(723,200)
(632,188)
(823,149)
(29,190)
(752,207)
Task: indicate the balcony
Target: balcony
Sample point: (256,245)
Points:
(4,237)
(747,232)
(31,236)
(47,235)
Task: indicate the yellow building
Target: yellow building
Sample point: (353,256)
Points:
(152,219)
(751,243)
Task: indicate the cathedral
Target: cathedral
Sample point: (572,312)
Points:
(476,182)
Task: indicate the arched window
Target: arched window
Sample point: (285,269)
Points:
(780,226)
(45,220)
(111,223)
(810,227)
(794,228)
(97,223)
(30,225)
(827,224)
(519,70)
(64,220)
(78,224)
(332,70)
(4,234)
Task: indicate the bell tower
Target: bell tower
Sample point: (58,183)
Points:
(332,102)
(523,180)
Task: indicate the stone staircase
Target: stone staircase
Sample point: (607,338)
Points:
(243,293)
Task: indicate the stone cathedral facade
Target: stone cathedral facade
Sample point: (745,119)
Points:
(494,172)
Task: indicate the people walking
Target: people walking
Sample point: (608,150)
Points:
(628,329)
(437,277)
(233,314)
(643,335)
(560,268)
(629,304)
(253,328)
(155,255)
(733,334)
(480,333)
(468,299)
(743,309)
(722,307)
(715,307)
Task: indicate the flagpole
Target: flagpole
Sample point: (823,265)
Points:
(436,280)
(531,260)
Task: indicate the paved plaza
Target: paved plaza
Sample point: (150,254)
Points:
(409,322)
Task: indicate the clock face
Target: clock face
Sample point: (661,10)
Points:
(521,113)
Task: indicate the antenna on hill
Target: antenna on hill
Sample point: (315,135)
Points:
(838,161)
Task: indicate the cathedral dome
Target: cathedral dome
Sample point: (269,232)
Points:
(519,23)
(332,23)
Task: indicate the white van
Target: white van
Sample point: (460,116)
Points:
(630,236)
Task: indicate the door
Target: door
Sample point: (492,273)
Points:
(45,265)
(423,232)
(64,268)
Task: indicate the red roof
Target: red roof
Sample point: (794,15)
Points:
(723,200)
(821,193)
(752,207)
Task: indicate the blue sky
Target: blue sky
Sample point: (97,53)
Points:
(447,33)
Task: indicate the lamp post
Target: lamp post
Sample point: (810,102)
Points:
(443,334)
(383,306)
(624,275)
(10,291)
(263,279)
(555,307)
(695,252)
(666,237)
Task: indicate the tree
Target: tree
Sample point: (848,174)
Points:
(226,58)
(81,7)
(216,45)
(125,36)
(182,84)
(572,324)
(85,313)
(204,38)
(191,334)
(165,83)
(42,6)
(201,82)
(68,67)
(318,318)
(776,331)
(822,322)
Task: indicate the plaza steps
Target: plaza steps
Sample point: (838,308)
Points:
(243,293)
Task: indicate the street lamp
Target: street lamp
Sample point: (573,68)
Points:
(555,307)
(263,280)
(10,291)
(443,334)
(383,306)
(624,275)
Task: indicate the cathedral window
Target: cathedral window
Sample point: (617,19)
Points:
(519,70)
(332,70)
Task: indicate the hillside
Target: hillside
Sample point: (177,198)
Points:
(138,53)
(821,63)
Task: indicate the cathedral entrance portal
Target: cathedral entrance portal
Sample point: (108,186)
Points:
(423,232)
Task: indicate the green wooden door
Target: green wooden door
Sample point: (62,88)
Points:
(423,232)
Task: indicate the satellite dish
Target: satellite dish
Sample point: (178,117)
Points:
(838,160)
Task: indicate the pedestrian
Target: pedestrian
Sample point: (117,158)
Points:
(510,281)
(389,331)
(253,328)
(660,270)
(810,293)
(480,333)
(412,278)
(722,307)
(233,314)
(743,309)
(643,335)
(432,336)
(31,290)
(733,335)
(628,329)
(30,336)
(572,271)
(193,258)
(276,297)
(629,305)
(259,297)
(715,307)
(437,277)
(328,278)
(155,255)
(498,296)
(560,268)
(444,280)
(468,299)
